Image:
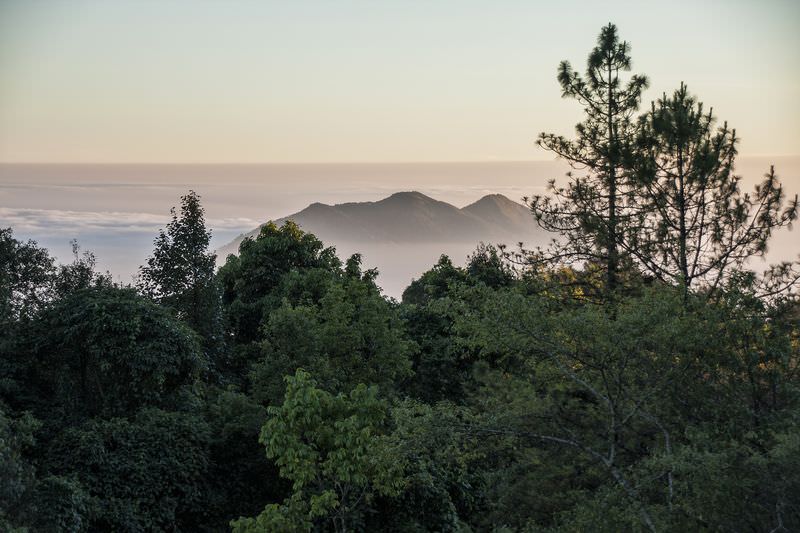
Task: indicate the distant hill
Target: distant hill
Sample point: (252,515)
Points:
(412,218)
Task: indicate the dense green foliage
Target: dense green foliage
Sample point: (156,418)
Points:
(142,474)
(331,450)
(109,352)
(180,275)
(650,386)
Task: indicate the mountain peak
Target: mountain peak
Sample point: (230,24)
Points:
(410,195)
(503,212)
(413,217)
(492,199)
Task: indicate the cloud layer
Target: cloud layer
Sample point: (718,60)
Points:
(64,222)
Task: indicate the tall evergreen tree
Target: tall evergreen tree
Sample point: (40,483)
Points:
(696,225)
(589,213)
(180,273)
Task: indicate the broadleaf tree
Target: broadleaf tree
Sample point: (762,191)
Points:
(331,448)
(180,273)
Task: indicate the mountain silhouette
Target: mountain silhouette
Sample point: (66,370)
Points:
(411,218)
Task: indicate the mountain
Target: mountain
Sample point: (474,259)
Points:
(504,213)
(406,218)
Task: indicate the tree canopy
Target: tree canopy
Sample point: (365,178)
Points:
(637,376)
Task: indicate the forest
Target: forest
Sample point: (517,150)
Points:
(642,373)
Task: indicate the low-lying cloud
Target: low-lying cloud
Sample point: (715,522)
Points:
(65,222)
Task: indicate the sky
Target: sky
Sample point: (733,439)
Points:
(199,81)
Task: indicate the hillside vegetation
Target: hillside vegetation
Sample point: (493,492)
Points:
(633,376)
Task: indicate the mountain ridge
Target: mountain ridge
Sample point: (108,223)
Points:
(408,217)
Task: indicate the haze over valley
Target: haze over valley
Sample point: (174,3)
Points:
(403,234)
(115,211)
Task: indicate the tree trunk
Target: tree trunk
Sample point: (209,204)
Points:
(612,260)
(684,265)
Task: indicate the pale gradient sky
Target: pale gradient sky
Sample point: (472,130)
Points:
(312,81)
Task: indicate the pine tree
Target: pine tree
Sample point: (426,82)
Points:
(590,212)
(695,224)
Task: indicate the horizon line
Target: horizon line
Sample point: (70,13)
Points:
(287,163)
(244,163)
